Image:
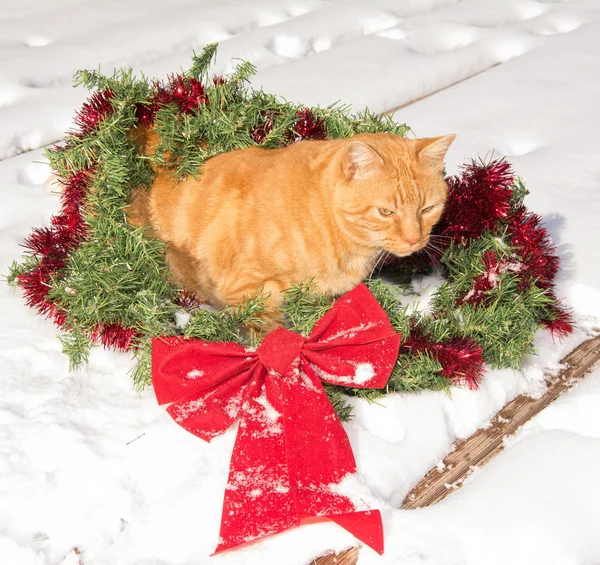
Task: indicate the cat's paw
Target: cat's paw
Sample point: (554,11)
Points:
(265,324)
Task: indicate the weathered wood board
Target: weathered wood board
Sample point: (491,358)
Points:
(348,557)
(486,443)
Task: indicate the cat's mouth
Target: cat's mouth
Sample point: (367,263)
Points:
(407,250)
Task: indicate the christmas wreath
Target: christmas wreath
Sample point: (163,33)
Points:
(104,282)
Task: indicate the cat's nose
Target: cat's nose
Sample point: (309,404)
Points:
(411,240)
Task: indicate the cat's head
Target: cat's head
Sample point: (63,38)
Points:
(392,190)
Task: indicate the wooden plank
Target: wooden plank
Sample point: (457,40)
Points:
(485,444)
(348,557)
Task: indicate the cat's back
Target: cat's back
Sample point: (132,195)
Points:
(258,169)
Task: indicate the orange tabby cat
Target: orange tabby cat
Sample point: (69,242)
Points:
(260,220)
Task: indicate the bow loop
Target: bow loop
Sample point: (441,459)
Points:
(354,343)
(204,382)
(181,367)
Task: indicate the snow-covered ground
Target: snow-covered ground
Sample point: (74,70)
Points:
(94,474)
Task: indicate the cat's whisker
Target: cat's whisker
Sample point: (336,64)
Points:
(384,258)
(375,261)
(440,238)
(445,239)
(380,260)
(434,247)
(429,255)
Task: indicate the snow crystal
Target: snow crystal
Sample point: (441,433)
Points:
(271,414)
(350,333)
(364,372)
(306,382)
(233,406)
(354,489)
(338,379)
(182,318)
(195,374)
(184,411)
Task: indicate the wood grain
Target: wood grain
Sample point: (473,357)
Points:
(348,557)
(486,443)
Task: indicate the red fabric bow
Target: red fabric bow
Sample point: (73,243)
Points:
(292,459)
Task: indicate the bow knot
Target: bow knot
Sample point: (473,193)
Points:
(292,459)
(280,349)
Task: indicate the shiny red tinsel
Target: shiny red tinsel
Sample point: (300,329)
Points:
(186,300)
(264,127)
(187,93)
(486,281)
(562,325)
(113,336)
(94,111)
(540,261)
(308,126)
(477,200)
(52,246)
(461,359)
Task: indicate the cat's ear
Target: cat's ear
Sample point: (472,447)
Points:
(433,149)
(361,160)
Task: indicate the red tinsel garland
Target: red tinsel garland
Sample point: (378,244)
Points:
(308,126)
(461,359)
(94,111)
(53,245)
(477,200)
(264,127)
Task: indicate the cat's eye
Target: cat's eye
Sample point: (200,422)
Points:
(428,209)
(385,212)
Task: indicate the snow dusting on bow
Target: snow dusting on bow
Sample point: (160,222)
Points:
(184,411)
(354,488)
(270,413)
(363,372)
(195,374)
(350,333)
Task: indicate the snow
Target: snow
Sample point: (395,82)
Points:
(353,487)
(363,372)
(270,413)
(91,472)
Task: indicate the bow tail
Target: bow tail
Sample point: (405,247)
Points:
(365,526)
(292,461)
(259,500)
(322,468)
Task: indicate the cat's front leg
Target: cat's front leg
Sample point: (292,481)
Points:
(186,271)
(272,294)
